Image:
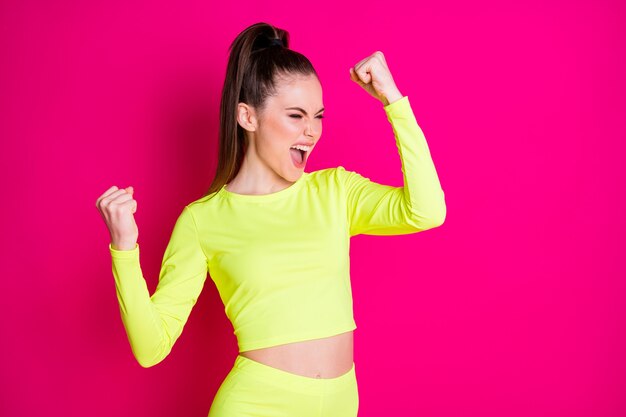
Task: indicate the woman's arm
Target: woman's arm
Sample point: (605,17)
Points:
(378,209)
(154,323)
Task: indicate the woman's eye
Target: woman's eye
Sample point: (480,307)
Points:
(299,116)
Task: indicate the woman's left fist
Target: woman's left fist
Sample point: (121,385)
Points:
(372,73)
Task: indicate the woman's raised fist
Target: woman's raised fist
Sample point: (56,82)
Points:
(117,207)
(372,73)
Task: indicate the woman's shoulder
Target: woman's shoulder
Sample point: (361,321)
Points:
(328,173)
(336,174)
(205,202)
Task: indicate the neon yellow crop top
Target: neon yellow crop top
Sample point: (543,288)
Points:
(280,261)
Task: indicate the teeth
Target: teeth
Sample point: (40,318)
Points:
(302,147)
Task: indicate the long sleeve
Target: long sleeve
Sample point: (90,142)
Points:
(378,209)
(154,323)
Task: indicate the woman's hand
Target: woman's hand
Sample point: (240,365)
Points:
(374,76)
(116,207)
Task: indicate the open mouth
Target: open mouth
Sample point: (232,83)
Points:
(298,156)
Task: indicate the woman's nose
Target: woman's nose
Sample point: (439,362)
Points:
(311,130)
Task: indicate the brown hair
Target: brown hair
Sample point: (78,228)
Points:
(253,66)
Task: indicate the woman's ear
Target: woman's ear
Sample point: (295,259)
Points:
(246,117)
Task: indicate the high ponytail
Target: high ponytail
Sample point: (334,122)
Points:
(254,63)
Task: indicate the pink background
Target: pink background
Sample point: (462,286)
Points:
(514,307)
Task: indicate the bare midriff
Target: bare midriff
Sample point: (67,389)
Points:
(328,357)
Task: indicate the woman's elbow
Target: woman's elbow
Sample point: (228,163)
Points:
(428,219)
(440,216)
(148,362)
(148,357)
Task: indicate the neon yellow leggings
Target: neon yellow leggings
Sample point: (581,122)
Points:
(253,389)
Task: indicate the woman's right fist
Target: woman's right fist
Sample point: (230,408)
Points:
(117,207)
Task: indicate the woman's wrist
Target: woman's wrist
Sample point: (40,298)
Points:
(392,97)
(123,245)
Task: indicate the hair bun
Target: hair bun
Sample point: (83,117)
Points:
(276,42)
(267,41)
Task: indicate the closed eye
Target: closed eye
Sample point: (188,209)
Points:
(299,116)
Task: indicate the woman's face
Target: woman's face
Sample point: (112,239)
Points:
(292,116)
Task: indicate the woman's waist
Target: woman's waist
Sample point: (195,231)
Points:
(327,357)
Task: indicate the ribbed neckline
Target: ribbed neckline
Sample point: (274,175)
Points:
(285,192)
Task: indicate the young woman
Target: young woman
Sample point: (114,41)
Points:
(274,238)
